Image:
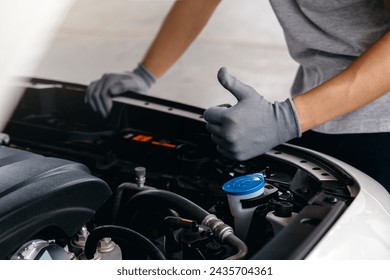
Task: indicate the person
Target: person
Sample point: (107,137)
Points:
(339,101)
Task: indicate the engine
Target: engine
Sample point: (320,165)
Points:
(147,183)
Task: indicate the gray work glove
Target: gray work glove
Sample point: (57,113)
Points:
(100,92)
(253,126)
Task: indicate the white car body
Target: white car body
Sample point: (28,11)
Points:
(361,232)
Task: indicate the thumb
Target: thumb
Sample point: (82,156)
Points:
(236,87)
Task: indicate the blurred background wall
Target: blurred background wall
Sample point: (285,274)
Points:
(99,36)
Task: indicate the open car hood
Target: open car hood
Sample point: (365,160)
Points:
(165,179)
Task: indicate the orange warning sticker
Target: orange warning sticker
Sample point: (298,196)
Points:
(164,144)
(142,138)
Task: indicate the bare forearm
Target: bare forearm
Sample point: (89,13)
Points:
(364,81)
(181,26)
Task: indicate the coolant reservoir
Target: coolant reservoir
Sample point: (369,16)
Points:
(281,216)
(239,189)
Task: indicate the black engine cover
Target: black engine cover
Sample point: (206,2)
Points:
(38,192)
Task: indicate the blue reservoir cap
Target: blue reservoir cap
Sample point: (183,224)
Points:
(246,184)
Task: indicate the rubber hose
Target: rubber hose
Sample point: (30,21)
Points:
(125,235)
(166,199)
(242,249)
(132,188)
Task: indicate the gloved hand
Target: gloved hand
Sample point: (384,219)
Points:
(100,92)
(253,126)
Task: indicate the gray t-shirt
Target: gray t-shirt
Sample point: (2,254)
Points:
(324,37)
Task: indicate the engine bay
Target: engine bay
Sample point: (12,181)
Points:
(148,183)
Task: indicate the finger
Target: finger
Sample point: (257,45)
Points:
(115,85)
(104,104)
(100,95)
(236,87)
(220,141)
(214,114)
(88,92)
(226,105)
(88,98)
(103,100)
(214,128)
(225,152)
